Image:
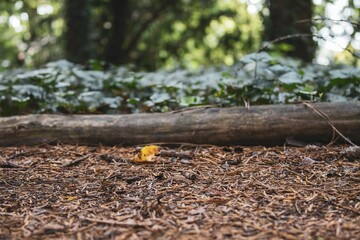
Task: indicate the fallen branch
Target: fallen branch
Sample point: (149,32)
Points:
(259,125)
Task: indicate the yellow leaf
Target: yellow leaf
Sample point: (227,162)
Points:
(69,198)
(147,154)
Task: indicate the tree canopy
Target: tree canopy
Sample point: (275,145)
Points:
(153,34)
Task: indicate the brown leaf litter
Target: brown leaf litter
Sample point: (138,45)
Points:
(79,192)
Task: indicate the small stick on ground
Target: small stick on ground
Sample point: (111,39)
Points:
(76,161)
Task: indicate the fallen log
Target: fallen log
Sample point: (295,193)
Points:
(257,125)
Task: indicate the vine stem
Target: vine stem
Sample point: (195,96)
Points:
(328,120)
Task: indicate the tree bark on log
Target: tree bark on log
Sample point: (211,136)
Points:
(258,125)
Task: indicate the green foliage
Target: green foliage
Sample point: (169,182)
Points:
(158,33)
(30,32)
(185,33)
(161,33)
(258,78)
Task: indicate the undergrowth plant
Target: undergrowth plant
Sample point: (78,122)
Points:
(258,78)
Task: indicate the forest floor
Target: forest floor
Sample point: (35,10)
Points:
(202,192)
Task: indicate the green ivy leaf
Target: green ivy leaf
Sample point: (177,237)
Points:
(308,89)
(160,97)
(290,78)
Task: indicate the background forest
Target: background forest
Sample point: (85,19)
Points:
(263,52)
(157,33)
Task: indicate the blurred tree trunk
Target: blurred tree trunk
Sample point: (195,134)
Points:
(284,15)
(120,13)
(77,33)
